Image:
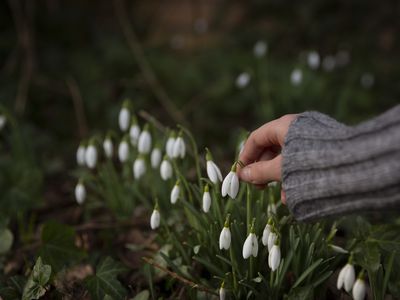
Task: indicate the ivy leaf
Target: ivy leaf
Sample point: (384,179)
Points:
(36,284)
(104,282)
(58,245)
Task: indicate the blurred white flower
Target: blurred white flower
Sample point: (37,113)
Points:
(179,148)
(144,143)
(169,146)
(342,58)
(139,167)
(3,121)
(206,203)
(91,156)
(271,210)
(123,151)
(225,238)
(165,169)
(329,63)
(134,133)
(222,292)
(338,249)
(108,147)
(260,49)
(367,80)
(155,219)
(346,277)
(213,172)
(313,60)
(250,246)
(155,157)
(271,240)
(296,77)
(266,233)
(175,193)
(243,80)
(124,117)
(230,185)
(80,155)
(359,289)
(80,193)
(274,257)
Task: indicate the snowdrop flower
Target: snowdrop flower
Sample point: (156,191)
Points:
(367,80)
(346,277)
(213,172)
(80,155)
(243,80)
(271,240)
(124,117)
(260,48)
(222,292)
(155,218)
(230,185)
(179,148)
(329,63)
(166,169)
(250,246)
(80,192)
(108,147)
(175,192)
(144,143)
(123,150)
(274,257)
(225,236)
(271,210)
(266,233)
(206,199)
(3,121)
(359,288)
(169,146)
(313,60)
(155,157)
(91,155)
(296,77)
(134,133)
(139,167)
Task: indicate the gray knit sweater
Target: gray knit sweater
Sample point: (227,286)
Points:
(333,169)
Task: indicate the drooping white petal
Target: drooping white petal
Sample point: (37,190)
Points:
(254,249)
(206,201)
(222,293)
(340,279)
(234,186)
(359,289)
(338,249)
(213,172)
(313,60)
(144,143)
(266,233)
(271,210)
(80,155)
(155,158)
(274,257)
(260,48)
(250,246)
(175,194)
(225,239)
(179,148)
(108,147)
(3,121)
(91,156)
(296,77)
(349,278)
(243,80)
(80,193)
(226,184)
(139,168)
(134,134)
(155,219)
(271,240)
(124,118)
(169,146)
(166,170)
(123,151)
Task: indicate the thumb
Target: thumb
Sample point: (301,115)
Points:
(262,172)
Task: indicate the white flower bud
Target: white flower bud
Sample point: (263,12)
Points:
(108,147)
(338,249)
(80,193)
(144,143)
(222,293)
(271,240)
(175,193)
(329,63)
(225,238)
(313,60)
(179,148)
(80,155)
(260,48)
(166,169)
(169,146)
(359,289)
(274,257)
(124,118)
(155,219)
(250,246)
(3,121)
(123,151)
(266,233)
(230,185)
(367,80)
(296,77)
(243,80)
(155,158)
(346,277)
(139,167)
(213,172)
(91,156)
(206,200)
(134,134)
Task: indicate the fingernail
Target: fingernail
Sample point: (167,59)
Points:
(246,174)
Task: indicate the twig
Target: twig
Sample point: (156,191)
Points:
(149,118)
(78,106)
(180,278)
(148,74)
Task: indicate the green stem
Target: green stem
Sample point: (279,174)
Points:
(248,208)
(217,201)
(195,154)
(183,179)
(251,267)
(235,284)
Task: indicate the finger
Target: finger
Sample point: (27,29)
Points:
(258,141)
(283,196)
(268,155)
(262,172)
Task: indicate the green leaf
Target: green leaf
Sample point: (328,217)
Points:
(39,277)
(6,240)
(144,295)
(58,245)
(307,272)
(105,281)
(12,289)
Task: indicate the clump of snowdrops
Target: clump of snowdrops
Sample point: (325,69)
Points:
(218,236)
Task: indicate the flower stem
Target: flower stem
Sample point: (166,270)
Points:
(248,208)
(217,203)
(235,284)
(183,179)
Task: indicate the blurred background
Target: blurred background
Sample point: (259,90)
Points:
(214,66)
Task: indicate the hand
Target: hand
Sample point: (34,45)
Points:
(261,154)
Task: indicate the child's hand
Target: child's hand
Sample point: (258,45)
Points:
(261,154)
